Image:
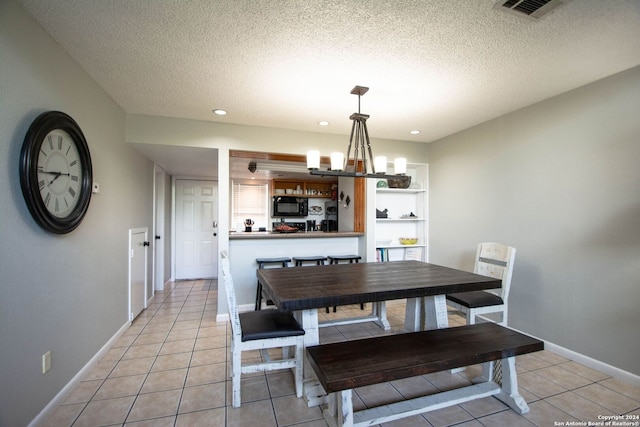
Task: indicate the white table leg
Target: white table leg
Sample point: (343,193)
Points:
(435,312)
(313,391)
(426,313)
(413,315)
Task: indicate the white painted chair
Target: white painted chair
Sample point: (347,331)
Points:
(261,330)
(493,260)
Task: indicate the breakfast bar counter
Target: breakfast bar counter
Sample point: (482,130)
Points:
(245,247)
(299,235)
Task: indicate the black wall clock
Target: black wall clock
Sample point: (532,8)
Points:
(55,172)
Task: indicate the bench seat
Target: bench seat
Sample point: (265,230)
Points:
(343,366)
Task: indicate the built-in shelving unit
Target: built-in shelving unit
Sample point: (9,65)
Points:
(406,211)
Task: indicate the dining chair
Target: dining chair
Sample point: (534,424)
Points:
(261,330)
(493,260)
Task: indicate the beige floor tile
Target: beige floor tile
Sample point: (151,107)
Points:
(83,392)
(209,417)
(120,387)
(506,418)
(252,388)
(171,361)
(378,394)
(622,387)
(181,346)
(252,414)
(583,371)
(414,421)
(544,414)
(182,334)
(132,367)
(482,407)
(155,405)
(291,410)
(206,343)
(281,383)
(202,397)
(539,386)
(145,350)
(414,387)
(578,407)
(205,374)
(616,402)
(105,412)
(562,377)
(64,415)
(164,380)
(155,422)
(448,416)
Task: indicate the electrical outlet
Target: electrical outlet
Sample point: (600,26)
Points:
(46,362)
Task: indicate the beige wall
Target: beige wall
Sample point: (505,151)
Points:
(65,294)
(560,181)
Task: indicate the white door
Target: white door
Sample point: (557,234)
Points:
(138,245)
(196,229)
(159,237)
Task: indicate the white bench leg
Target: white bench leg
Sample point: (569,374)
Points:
(339,411)
(508,384)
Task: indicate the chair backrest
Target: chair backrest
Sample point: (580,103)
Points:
(231,293)
(496,260)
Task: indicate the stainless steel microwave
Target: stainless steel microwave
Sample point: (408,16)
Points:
(287,206)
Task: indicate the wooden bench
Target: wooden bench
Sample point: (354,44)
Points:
(344,366)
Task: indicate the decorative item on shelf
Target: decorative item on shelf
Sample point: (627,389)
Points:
(399,182)
(315,210)
(382,213)
(408,240)
(364,164)
(410,215)
(248,223)
(382,184)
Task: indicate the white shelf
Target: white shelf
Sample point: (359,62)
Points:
(400,219)
(400,190)
(417,245)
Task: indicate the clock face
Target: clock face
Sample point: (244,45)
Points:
(56,172)
(59,172)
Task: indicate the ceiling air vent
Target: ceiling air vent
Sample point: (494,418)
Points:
(532,9)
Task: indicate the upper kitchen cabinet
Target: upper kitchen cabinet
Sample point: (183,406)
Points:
(315,189)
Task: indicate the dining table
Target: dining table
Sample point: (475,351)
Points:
(304,290)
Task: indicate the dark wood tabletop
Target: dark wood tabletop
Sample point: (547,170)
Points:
(303,288)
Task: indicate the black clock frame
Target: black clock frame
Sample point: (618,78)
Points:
(39,129)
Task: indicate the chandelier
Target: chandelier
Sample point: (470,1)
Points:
(362,164)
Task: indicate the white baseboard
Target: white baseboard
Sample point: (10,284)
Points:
(589,362)
(62,395)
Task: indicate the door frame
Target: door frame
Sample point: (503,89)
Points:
(159,203)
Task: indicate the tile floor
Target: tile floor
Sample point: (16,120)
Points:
(171,368)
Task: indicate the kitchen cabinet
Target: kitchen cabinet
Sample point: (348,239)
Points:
(315,189)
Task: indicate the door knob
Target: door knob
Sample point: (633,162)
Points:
(157,237)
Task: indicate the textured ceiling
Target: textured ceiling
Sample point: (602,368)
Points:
(438,66)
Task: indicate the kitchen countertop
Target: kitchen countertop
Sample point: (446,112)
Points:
(298,235)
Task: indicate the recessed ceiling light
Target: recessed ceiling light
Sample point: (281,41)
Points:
(323,123)
(415,132)
(219,112)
